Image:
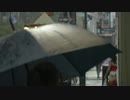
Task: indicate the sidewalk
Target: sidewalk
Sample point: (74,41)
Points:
(91,78)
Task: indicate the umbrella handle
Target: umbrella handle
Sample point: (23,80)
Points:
(27,69)
(13,77)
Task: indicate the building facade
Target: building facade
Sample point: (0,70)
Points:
(124,57)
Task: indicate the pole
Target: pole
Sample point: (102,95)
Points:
(10,20)
(12,70)
(82,80)
(28,76)
(109,19)
(85,20)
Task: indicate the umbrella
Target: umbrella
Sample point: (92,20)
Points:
(76,47)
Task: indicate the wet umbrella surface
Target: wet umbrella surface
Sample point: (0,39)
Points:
(74,50)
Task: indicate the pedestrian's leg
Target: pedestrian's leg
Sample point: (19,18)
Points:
(104,72)
(102,75)
(97,71)
(104,69)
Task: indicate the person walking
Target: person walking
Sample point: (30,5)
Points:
(105,65)
(98,70)
(111,72)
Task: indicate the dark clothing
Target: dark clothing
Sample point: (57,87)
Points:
(98,69)
(104,70)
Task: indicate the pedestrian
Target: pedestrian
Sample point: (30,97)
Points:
(111,72)
(98,70)
(105,65)
(45,74)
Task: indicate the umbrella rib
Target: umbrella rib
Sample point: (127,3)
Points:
(71,64)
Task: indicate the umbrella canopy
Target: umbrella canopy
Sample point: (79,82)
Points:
(81,48)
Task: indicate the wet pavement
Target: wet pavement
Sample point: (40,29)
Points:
(91,78)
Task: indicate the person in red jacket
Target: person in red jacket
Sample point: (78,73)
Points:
(111,72)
